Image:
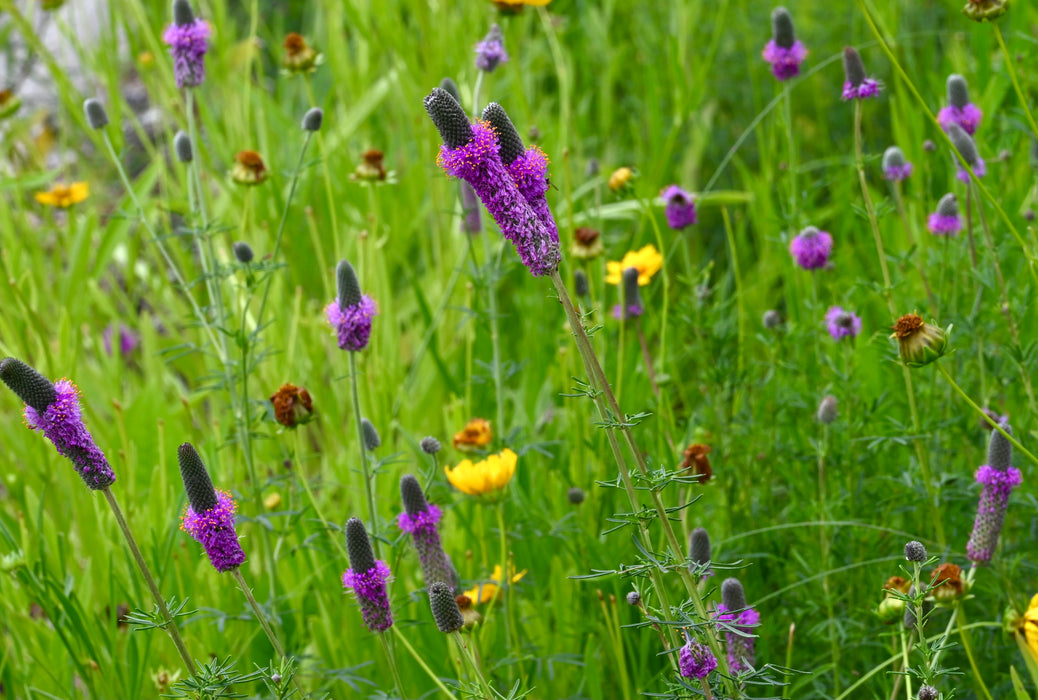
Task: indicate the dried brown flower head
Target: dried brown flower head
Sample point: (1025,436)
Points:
(920,343)
(947,582)
(696,460)
(370,168)
(587,243)
(299,55)
(292,405)
(248,168)
(474,435)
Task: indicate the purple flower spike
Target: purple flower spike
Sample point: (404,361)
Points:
(857,85)
(530,174)
(998,478)
(128,339)
(695,660)
(946,220)
(959,110)
(214,530)
(367,577)
(980,169)
(895,167)
(783,52)
(490,53)
(811,249)
(841,323)
(352,324)
(188,39)
(419,519)
(681,207)
(733,612)
(62,423)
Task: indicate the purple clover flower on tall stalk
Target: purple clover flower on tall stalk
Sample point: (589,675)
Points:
(351,313)
(471,152)
(998,477)
(695,660)
(367,577)
(842,323)
(188,39)
(857,85)
(490,53)
(53,409)
(895,167)
(209,515)
(783,52)
(946,220)
(967,148)
(681,207)
(811,249)
(419,520)
(959,110)
(733,612)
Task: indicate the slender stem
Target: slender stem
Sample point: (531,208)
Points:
(647,356)
(368,476)
(170,624)
(421,662)
(906,662)
(739,311)
(912,243)
(1009,64)
(787,111)
(326,173)
(960,619)
(391,658)
(467,654)
(258,612)
(490,278)
(310,494)
(505,584)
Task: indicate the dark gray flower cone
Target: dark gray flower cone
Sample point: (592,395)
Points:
(199,487)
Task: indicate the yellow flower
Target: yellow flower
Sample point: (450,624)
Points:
(489,476)
(1031,627)
(475,434)
(514,6)
(486,592)
(64,196)
(620,178)
(648,261)
(272,501)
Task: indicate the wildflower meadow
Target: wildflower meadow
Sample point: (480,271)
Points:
(548,349)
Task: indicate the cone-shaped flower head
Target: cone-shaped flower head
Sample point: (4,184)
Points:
(895,167)
(183,148)
(471,152)
(581,285)
(96,115)
(430,445)
(351,313)
(528,168)
(367,577)
(946,220)
(928,692)
(209,515)
(771,319)
(828,409)
(783,52)
(967,148)
(959,110)
(699,550)
(680,207)
(575,495)
(985,10)
(632,306)
(54,410)
(372,440)
(188,39)
(452,89)
(444,608)
(915,551)
(419,520)
(919,343)
(490,53)
(857,85)
(695,660)
(243,252)
(998,477)
(733,612)
(842,323)
(811,249)
(313,119)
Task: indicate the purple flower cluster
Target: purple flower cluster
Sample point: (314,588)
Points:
(419,520)
(895,167)
(811,249)
(128,339)
(945,221)
(841,323)
(785,62)
(353,323)
(62,424)
(867,88)
(214,530)
(490,53)
(857,85)
(681,207)
(740,646)
(370,589)
(967,117)
(188,44)
(530,173)
(991,511)
(695,660)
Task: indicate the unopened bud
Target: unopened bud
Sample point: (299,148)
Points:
(243,252)
(915,551)
(313,119)
(96,115)
(827,410)
(183,147)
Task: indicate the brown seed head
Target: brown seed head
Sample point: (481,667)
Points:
(696,460)
(292,405)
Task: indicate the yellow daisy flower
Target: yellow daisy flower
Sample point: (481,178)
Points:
(648,261)
(474,435)
(517,5)
(64,196)
(1031,627)
(485,592)
(488,476)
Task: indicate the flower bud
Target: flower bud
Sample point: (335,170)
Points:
(183,147)
(1000,450)
(358,546)
(634,598)
(371,436)
(32,388)
(199,487)
(919,343)
(732,595)
(620,179)
(445,609)
(452,89)
(347,285)
(430,445)
(782,28)
(958,91)
(243,252)
(313,119)
(928,692)
(575,495)
(915,551)
(182,13)
(827,410)
(771,319)
(985,10)
(449,118)
(580,284)
(853,67)
(96,115)
(698,548)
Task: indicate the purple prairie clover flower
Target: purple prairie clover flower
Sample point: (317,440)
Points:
(945,221)
(695,660)
(209,515)
(959,110)
(895,167)
(128,339)
(471,220)
(857,85)
(53,409)
(419,520)
(367,577)
(188,39)
(968,153)
(632,306)
(471,152)
(811,249)
(681,207)
(736,616)
(998,478)
(490,53)
(842,323)
(783,52)
(351,313)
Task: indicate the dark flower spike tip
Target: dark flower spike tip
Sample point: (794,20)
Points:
(96,115)
(782,28)
(444,608)
(915,551)
(581,286)
(699,546)
(451,88)
(509,139)
(1000,450)
(313,119)
(32,388)
(182,13)
(371,436)
(964,143)
(449,118)
(948,205)
(853,67)
(412,495)
(358,546)
(958,91)
(732,595)
(430,445)
(347,284)
(183,147)
(199,487)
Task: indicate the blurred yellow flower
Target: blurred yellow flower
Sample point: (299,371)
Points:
(485,592)
(64,196)
(517,5)
(488,476)
(648,261)
(1031,627)
(475,434)
(620,178)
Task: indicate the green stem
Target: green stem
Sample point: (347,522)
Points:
(960,619)
(1009,64)
(368,476)
(490,278)
(421,662)
(391,658)
(310,494)
(326,174)
(739,311)
(170,624)
(467,654)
